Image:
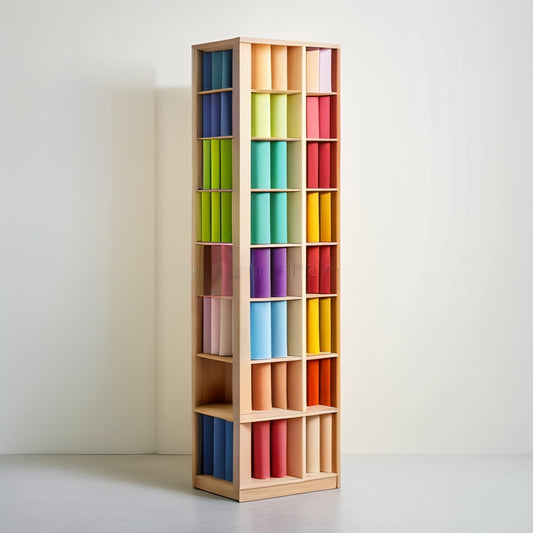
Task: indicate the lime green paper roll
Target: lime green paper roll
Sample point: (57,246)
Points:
(278,165)
(261,164)
(260,115)
(260,218)
(206,216)
(215,217)
(225,209)
(278,217)
(198,213)
(206,152)
(225,164)
(215,164)
(278,115)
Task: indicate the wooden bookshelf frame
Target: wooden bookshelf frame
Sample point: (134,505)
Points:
(229,378)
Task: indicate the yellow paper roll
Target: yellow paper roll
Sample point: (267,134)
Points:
(313,444)
(325,216)
(313,326)
(325,324)
(313,233)
(326,443)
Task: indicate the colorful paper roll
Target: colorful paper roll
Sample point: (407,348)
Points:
(206,216)
(278,447)
(278,165)
(278,115)
(260,214)
(312,117)
(324,106)
(215,217)
(261,159)
(313,382)
(225,113)
(208,423)
(225,343)
(215,326)
(226,256)
(313,224)
(326,443)
(313,326)
(279,328)
(206,115)
(312,444)
(215,164)
(325,70)
(261,67)
(217,70)
(325,324)
(279,385)
(260,115)
(225,164)
(219,448)
(261,450)
(279,271)
(260,278)
(325,382)
(206,164)
(215,271)
(312,165)
(325,217)
(278,220)
(225,208)
(206,326)
(261,387)
(215,114)
(313,262)
(228,473)
(324,165)
(260,330)
(278,59)
(207,83)
(227,68)
(325,270)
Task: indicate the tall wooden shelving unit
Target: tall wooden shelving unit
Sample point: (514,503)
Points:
(222,384)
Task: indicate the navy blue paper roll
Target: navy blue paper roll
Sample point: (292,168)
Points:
(217,70)
(219,447)
(206,115)
(206,71)
(215,115)
(260,273)
(207,444)
(228,476)
(225,113)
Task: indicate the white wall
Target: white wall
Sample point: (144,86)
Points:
(436,270)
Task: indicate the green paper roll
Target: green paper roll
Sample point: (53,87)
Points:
(260,218)
(278,115)
(206,152)
(206,216)
(260,115)
(215,217)
(215,164)
(225,164)
(260,165)
(225,208)
(278,217)
(198,216)
(278,165)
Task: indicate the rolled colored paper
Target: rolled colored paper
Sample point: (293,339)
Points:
(215,326)
(206,338)
(206,216)
(324,165)
(225,164)
(324,395)
(313,255)
(278,217)
(325,270)
(278,56)
(206,164)
(278,120)
(219,447)
(225,200)
(325,217)
(279,328)
(278,165)
(260,273)
(261,450)
(325,324)
(294,69)
(208,261)
(208,423)
(278,447)
(313,444)
(260,165)
(279,385)
(260,214)
(215,217)
(312,165)
(227,56)
(215,115)
(325,70)
(198,217)
(217,70)
(313,326)
(324,106)
(261,387)
(260,330)
(312,71)
(226,347)
(215,164)
(228,474)
(279,271)
(226,253)
(326,443)
(294,115)
(260,115)
(216,270)
(206,71)
(206,115)
(312,117)
(261,67)
(313,372)
(313,231)
(225,113)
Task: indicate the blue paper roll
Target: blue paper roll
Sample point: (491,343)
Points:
(219,447)
(260,330)
(207,444)
(225,113)
(227,58)
(215,115)
(260,165)
(206,115)
(217,70)
(279,329)
(228,476)
(206,71)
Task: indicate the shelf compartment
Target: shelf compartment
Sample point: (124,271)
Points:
(276,166)
(276,68)
(321,166)
(320,440)
(321,382)
(213,383)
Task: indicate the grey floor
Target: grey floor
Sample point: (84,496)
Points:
(149,493)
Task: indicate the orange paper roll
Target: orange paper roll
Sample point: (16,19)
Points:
(326,443)
(313,232)
(313,370)
(313,326)
(312,71)
(261,387)
(324,393)
(325,217)
(325,324)
(313,444)
(279,385)
(279,67)
(261,67)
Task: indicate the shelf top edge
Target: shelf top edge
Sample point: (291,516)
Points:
(228,43)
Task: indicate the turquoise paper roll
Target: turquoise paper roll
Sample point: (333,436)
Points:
(260,218)
(278,217)
(260,165)
(278,165)
(260,330)
(279,328)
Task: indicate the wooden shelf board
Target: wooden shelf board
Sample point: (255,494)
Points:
(219,137)
(213,357)
(210,243)
(276,299)
(214,91)
(312,410)
(214,485)
(321,94)
(275,190)
(271,414)
(218,410)
(288,139)
(215,296)
(322,355)
(277,245)
(321,243)
(276,91)
(287,359)
(320,189)
(333,295)
(214,190)
(313,139)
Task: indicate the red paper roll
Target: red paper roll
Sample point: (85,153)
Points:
(324,165)
(325,270)
(324,106)
(312,165)
(312,382)
(313,261)
(325,382)
(278,448)
(261,450)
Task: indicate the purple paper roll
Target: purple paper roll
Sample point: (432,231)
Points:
(260,273)
(279,271)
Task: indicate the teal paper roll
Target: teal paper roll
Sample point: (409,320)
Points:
(278,165)
(260,330)
(279,328)
(260,165)
(261,218)
(278,220)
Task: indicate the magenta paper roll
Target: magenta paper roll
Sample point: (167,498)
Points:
(279,271)
(260,273)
